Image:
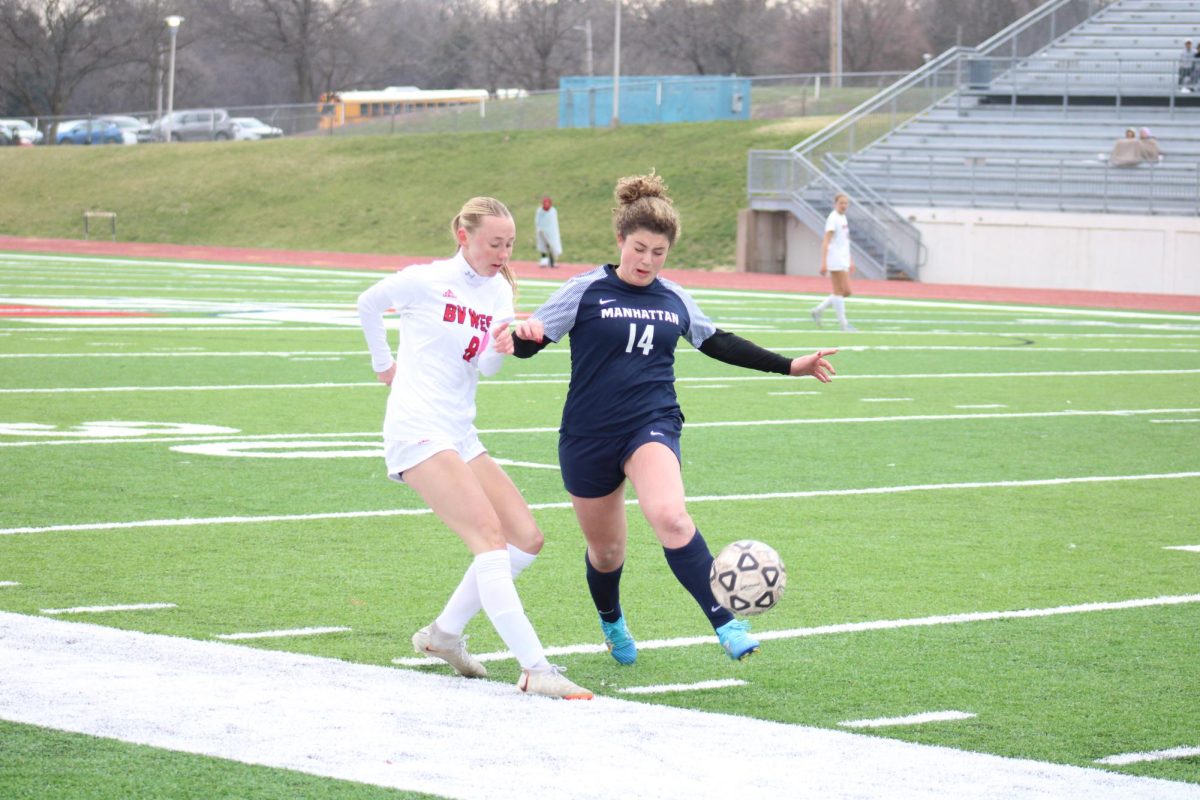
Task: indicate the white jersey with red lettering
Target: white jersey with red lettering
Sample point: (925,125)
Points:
(446,311)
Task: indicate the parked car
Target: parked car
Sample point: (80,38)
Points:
(140,128)
(194,125)
(93,131)
(22,131)
(253,128)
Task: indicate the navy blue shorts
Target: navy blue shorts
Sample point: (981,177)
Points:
(594,466)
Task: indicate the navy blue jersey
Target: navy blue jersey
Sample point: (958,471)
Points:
(623,341)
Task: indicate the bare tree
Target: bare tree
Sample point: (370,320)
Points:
(47,47)
(527,45)
(969,22)
(710,36)
(311,36)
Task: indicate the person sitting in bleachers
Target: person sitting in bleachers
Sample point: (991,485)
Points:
(1149,146)
(1187,63)
(1126,152)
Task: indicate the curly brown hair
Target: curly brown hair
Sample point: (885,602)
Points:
(644,205)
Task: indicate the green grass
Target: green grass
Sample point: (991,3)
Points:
(36,764)
(1065,689)
(391,194)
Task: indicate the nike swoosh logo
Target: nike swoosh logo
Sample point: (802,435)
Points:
(605,302)
(655,433)
(715,609)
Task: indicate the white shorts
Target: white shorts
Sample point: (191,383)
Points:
(402,455)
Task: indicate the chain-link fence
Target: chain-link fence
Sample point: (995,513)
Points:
(772,97)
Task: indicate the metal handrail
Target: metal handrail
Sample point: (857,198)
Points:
(930,86)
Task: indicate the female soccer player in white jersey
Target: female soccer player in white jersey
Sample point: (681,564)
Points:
(837,261)
(622,419)
(454,317)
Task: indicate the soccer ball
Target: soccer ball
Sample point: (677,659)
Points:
(748,577)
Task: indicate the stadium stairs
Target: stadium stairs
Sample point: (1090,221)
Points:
(1025,120)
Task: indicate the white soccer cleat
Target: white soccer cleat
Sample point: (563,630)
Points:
(451,649)
(551,683)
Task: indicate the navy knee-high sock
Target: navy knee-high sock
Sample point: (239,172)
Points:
(606,590)
(691,565)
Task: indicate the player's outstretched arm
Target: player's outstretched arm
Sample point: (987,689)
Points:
(529,337)
(814,365)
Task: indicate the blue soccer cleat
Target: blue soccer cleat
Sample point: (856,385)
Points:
(735,638)
(619,640)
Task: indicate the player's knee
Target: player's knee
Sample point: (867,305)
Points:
(674,527)
(606,556)
(529,540)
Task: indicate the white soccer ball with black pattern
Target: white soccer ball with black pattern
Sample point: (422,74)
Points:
(748,577)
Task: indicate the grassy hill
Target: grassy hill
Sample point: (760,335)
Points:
(392,194)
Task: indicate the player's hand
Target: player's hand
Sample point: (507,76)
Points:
(531,330)
(824,270)
(386,376)
(502,341)
(815,365)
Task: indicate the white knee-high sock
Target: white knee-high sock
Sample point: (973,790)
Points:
(499,598)
(826,303)
(839,305)
(464,604)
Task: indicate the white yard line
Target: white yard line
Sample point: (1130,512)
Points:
(106,609)
(134,438)
(911,719)
(538,381)
(849,627)
(1154,755)
(9,583)
(928,487)
(405,730)
(683,352)
(235,637)
(669,688)
(1191,548)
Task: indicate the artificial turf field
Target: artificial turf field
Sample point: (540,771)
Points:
(991,511)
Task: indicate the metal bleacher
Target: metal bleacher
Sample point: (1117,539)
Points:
(1025,120)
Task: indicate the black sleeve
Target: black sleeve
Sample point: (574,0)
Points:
(733,349)
(525,348)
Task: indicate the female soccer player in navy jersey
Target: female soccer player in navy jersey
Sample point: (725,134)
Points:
(454,317)
(622,419)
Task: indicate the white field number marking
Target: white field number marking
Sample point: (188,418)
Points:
(113,429)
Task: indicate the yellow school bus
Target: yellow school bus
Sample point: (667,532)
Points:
(360,105)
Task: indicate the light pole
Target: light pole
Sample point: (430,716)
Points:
(616,115)
(172,26)
(835,42)
(586,27)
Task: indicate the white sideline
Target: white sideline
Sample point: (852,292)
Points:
(476,739)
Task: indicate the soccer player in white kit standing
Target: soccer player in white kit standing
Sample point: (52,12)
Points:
(454,318)
(837,261)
